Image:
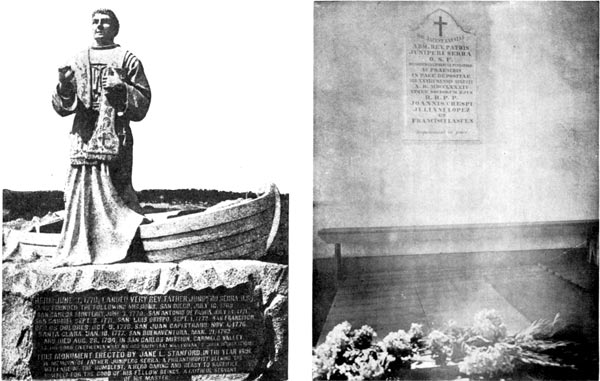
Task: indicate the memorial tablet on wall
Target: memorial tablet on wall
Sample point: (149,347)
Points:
(440,86)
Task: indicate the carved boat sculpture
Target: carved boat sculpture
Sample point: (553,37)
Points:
(232,229)
(29,240)
(237,229)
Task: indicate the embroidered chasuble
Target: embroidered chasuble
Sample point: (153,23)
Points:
(102,210)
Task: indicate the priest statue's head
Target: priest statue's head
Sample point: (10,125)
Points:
(105,26)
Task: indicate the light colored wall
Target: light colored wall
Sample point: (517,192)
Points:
(537,111)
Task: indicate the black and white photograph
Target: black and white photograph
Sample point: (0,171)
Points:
(167,259)
(291,190)
(455,209)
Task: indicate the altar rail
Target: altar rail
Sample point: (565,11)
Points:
(465,238)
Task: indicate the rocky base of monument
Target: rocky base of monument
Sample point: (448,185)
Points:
(193,320)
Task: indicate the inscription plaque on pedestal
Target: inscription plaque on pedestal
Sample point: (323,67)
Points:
(129,336)
(440,86)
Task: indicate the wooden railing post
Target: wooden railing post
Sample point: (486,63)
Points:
(338,262)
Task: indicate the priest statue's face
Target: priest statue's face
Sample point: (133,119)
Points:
(104,28)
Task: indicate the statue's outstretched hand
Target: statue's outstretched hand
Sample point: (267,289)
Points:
(65,74)
(65,80)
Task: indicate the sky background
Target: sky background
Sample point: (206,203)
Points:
(231,91)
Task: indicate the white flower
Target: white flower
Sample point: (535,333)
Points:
(440,345)
(398,344)
(489,325)
(488,361)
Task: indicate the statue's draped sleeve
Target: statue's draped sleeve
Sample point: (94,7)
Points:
(138,89)
(66,104)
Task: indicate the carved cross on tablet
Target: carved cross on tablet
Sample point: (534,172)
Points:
(440,23)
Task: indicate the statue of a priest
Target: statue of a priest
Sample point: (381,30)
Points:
(106,88)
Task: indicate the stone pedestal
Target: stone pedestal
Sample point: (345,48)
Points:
(98,301)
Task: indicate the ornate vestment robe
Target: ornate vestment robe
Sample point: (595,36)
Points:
(102,210)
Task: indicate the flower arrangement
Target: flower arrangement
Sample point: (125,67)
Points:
(352,354)
(481,351)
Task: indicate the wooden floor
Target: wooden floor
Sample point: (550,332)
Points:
(433,294)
